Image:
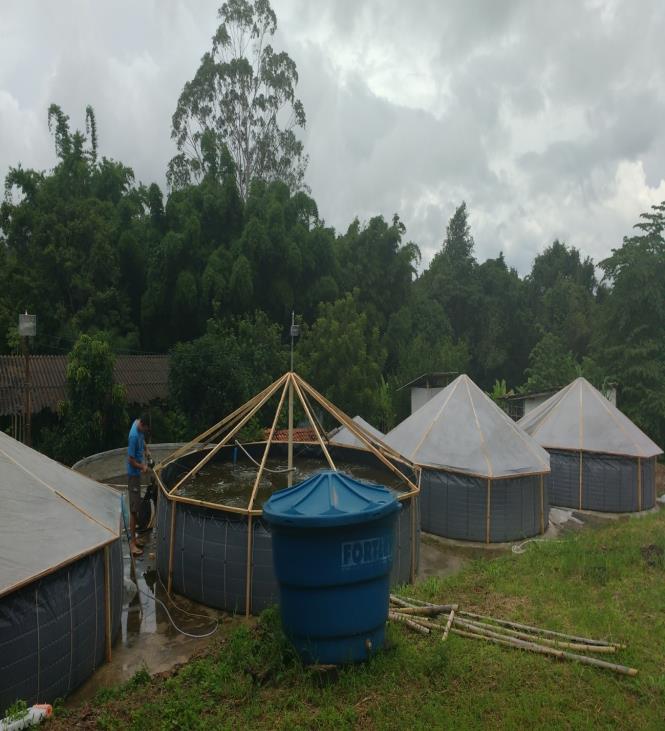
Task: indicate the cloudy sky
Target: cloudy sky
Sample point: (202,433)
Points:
(548,118)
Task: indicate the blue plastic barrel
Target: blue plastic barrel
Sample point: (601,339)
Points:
(332,551)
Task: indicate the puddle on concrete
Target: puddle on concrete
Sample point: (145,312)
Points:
(149,641)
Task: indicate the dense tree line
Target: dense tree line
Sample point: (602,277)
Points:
(211,272)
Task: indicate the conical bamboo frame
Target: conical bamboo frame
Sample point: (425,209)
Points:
(231,425)
(289,383)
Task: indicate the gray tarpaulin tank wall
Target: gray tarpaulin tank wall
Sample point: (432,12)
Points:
(599,459)
(209,552)
(483,478)
(60,576)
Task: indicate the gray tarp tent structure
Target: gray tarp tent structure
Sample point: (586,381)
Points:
(482,476)
(345,437)
(599,459)
(60,575)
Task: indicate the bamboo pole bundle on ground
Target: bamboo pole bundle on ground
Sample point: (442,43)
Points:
(543,650)
(499,631)
(544,640)
(540,630)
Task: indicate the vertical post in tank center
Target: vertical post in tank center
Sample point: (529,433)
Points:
(294,333)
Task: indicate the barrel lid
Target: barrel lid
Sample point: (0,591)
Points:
(329,498)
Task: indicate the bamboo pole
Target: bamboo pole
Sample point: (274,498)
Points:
(316,430)
(290,452)
(215,506)
(494,631)
(250,521)
(266,451)
(169,582)
(400,602)
(449,624)
(542,504)
(581,458)
(488,510)
(107,603)
(408,622)
(542,650)
(230,434)
(539,630)
(432,611)
(248,574)
(418,602)
(351,425)
(204,436)
(414,532)
(366,438)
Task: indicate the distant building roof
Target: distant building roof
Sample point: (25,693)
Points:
(438,379)
(145,378)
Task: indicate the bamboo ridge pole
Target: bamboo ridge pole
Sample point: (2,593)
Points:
(204,436)
(351,425)
(313,424)
(275,386)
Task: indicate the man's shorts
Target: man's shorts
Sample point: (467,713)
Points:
(134,489)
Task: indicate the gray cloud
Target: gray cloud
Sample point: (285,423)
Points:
(545,117)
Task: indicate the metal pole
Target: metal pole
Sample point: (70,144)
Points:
(27,406)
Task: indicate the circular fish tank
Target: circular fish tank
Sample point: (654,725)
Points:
(214,549)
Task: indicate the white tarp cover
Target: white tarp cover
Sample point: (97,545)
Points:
(344,436)
(463,430)
(580,418)
(49,514)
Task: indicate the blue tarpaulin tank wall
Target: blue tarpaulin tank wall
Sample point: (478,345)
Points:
(217,549)
(599,459)
(483,478)
(61,581)
(333,543)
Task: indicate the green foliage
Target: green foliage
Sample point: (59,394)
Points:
(342,355)
(16,711)
(93,418)
(632,333)
(237,102)
(500,391)
(214,374)
(551,366)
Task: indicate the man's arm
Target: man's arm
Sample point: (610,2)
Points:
(137,465)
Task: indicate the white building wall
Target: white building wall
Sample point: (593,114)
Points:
(420,396)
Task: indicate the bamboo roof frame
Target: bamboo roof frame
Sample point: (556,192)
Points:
(296,387)
(230,425)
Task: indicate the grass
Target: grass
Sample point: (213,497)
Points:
(607,582)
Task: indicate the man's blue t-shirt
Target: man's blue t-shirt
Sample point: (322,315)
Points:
(135,448)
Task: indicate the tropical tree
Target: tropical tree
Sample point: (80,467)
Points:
(342,355)
(217,372)
(242,98)
(631,338)
(93,417)
(551,366)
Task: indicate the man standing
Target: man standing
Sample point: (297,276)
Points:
(136,466)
